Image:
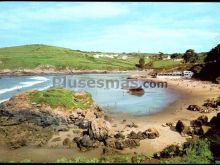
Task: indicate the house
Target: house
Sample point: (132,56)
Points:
(124,57)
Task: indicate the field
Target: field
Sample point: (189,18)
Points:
(43,56)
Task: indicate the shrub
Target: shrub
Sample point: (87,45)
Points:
(196,151)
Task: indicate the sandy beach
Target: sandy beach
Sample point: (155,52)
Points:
(191,91)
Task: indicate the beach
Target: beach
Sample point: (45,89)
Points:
(191,91)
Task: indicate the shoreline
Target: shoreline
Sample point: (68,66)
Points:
(190,91)
(193,92)
(34,72)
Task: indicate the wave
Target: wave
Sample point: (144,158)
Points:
(20,86)
(4,100)
(44,88)
(39,78)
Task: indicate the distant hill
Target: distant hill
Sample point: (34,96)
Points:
(45,57)
(32,56)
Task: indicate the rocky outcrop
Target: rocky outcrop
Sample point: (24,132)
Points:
(151,133)
(136,91)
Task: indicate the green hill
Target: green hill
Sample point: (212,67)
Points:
(33,56)
(45,56)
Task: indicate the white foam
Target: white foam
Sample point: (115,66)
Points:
(4,100)
(20,86)
(10,89)
(39,78)
(44,88)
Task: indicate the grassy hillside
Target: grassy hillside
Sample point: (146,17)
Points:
(44,56)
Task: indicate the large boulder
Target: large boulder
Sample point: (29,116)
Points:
(183,127)
(85,142)
(99,129)
(202,120)
(134,135)
(151,133)
(195,108)
(215,121)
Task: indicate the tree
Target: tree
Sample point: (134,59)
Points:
(190,56)
(160,56)
(176,55)
(141,62)
(213,55)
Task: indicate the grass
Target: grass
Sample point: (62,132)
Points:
(32,56)
(60,97)
(165,64)
(44,56)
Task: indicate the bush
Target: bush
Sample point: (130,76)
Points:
(195,151)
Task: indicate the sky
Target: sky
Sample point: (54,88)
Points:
(112,26)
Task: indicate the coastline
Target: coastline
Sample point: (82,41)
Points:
(191,91)
(41,72)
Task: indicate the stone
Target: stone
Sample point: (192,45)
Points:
(151,133)
(132,125)
(62,128)
(85,142)
(84,124)
(99,129)
(119,136)
(66,142)
(183,127)
(56,139)
(194,108)
(202,120)
(119,145)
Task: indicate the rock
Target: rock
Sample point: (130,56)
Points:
(215,121)
(136,91)
(119,145)
(169,152)
(17,143)
(131,143)
(151,133)
(134,135)
(202,120)
(213,103)
(183,127)
(62,128)
(204,129)
(132,125)
(99,129)
(109,151)
(56,139)
(84,124)
(66,142)
(194,108)
(85,142)
(119,136)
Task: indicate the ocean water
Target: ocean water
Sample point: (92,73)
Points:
(110,98)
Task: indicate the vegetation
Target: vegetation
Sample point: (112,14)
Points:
(56,97)
(45,57)
(213,55)
(210,70)
(176,55)
(190,56)
(196,151)
(107,159)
